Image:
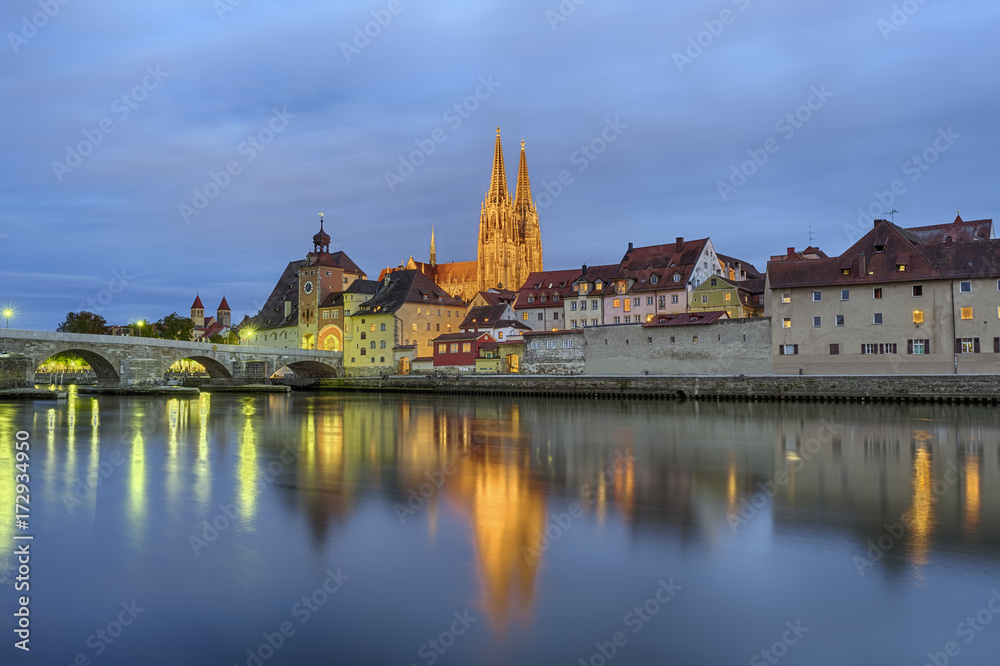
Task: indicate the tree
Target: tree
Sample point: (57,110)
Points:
(174,327)
(227,338)
(84,322)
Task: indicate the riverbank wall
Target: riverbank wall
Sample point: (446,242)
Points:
(911,388)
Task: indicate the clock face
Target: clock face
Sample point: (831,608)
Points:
(308,287)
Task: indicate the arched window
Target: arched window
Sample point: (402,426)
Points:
(383,327)
(363,351)
(381,344)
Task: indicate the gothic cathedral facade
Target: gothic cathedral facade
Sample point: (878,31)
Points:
(510,242)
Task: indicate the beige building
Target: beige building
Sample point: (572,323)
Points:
(924,300)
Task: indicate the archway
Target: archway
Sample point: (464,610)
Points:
(107,373)
(313,370)
(309,341)
(331,338)
(214,368)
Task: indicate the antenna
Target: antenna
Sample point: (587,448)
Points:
(811,235)
(892,215)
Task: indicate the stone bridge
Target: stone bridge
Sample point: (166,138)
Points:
(130,361)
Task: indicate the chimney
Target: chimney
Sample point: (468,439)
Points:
(584,269)
(630,247)
(680,243)
(791,253)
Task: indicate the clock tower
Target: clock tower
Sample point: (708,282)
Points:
(320,276)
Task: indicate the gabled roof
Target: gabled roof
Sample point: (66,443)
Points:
(337,259)
(959,230)
(877,256)
(272,315)
(642,263)
(466,336)
(748,268)
(591,274)
(546,284)
(494,296)
(407,286)
(485,316)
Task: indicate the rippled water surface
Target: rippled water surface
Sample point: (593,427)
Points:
(367,529)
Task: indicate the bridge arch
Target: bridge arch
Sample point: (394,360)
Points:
(216,369)
(106,371)
(312,369)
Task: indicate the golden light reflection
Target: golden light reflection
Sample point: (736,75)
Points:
(137,481)
(971,500)
(202,467)
(508,523)
(625,484)
(732,490)
(173,465)
(7,481)
(71,407)
(247,473)
(921,512)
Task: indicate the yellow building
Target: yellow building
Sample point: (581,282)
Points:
(738,299)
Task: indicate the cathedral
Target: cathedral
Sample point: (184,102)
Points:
(510,243)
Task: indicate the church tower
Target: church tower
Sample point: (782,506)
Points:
(198,312)
(509,237)
(224,315)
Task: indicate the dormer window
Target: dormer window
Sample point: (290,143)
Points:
(714,282)
(531,298)
(583,288)
(653,279)
(544,298)
(555,297)
(598,284)
(901,268)
(880,248)
(677,277)
(845,271)
(622,286)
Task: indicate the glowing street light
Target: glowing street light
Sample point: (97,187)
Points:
(247,332)
(139,324)
(8,314)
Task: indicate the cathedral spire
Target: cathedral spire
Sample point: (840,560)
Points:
(433,249)
(498,181)
(522,197)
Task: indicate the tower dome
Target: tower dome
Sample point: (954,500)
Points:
(321,241)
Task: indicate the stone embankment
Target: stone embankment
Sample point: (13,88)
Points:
(910,388)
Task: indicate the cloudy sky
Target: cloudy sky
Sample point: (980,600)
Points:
(156,149)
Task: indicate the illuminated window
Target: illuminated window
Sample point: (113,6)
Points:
(918,317)
(413,326)
(901,267)
(786,323)
(584,288)
(466,346)
(442,349)
(967,313)
(786,298)
(454,348)
(617,303)
(622,286)
(524,316)
(727,297)
(373,328)
(627,305)
(418,310)
(969,345)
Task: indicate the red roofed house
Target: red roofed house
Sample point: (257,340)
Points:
(899,301)
(658,278)
(459,350)
(540,300)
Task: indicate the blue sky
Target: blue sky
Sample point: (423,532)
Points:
(749,121)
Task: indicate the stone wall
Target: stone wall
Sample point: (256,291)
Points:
(16,372)
(726,347)
(558,353)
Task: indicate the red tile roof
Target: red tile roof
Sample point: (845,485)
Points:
(687,318)
(197,303)
(224,305)
(663,261)
(543,288)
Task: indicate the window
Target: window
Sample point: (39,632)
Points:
(627,305)
(583,305)
(919,347)
(372,344)
(877,318)
(845,294)
(428,326)
(694,339)
(649,317)
(869,348)
(786,323)
(363,351)
(524,316)
(887,348)
(817,322)
(636,302)
(618,320)
(531,298)
(449,326)
(381,344)
(499,335)
(649,300)
(918,290)
(382,327)
(704,298)
(838,320)
(656,278)
(628,319)
(788,350)
(918,316)
(413,326)
(677,277)
(555,297)
(598,284)
(714,282)
(622,286)
(662,302)
(555,315)
(593,305)
(437,327)
(877,293)
(617,303)
(326,314)
(673,299)
(583,288)
(363,335)
(466,347)
(901,268)
(439,313)
(567,344)
(967,312)
(786,298)
(593,322)
(550,344)
(418,310)
(336,314)
(541,316)
(535,344)
(453,348)
(834,349)
(845,271)
(817,296)
(966,345)
(727,297)
(572,306)
(965,287)
(573,324)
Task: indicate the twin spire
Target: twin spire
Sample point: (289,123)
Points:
(498,191)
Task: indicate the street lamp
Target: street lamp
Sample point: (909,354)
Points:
(247,332)
(8,314)
(139,324)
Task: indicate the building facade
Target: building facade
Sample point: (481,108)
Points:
(924,300)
